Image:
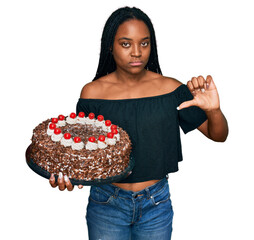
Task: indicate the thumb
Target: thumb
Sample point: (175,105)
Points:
(210,83)
(186,104)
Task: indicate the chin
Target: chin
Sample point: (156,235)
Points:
(137,70)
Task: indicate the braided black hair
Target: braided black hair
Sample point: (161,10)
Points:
(107,63)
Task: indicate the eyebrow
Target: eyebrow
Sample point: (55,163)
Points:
(125,38)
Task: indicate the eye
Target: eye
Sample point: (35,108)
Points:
(144,44)
(125,44)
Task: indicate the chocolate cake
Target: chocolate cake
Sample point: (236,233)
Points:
(83,148)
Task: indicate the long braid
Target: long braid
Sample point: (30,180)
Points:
(106,62)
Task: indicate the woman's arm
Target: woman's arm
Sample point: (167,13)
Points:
(215,127)
(206,97)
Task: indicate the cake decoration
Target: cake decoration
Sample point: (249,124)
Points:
(81,118)
(71,119)
(51,128)
(61,121)
(107,126)
(116,134)
(100,121)
(102,143)
(57,135)
(77,144)
(110,139)
(90,120)
(54,120)
(67,140)
(91,144)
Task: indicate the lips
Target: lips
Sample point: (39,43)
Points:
(136,63)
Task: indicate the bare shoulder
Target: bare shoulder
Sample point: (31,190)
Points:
(92,89)
(88,90)
(170,84)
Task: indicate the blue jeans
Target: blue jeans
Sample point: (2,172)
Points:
(117,214)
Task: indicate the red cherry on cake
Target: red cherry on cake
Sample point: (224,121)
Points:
(91,139)
(91,115)
(57,131)
(54,120)
(81,114)
(110,135)
(61,117)
(52,126)
(100,118)
(107,123)
(77,139)
(67,136)
(102,138)
(73,115)
(114,131)
(113,126)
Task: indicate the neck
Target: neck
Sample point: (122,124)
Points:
(124,77)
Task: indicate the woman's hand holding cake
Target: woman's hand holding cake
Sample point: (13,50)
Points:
(63,182)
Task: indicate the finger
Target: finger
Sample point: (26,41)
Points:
(187,104)
(80,186)
(209,82)
(190,86)
(68,184)
(194,81)
(201,83)
(52,181)
(60,181)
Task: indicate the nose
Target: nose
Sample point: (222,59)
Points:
(136,50)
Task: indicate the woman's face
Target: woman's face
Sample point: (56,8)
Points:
(131,49)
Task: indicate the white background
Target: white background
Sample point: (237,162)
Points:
(50,49)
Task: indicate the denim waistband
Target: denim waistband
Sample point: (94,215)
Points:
(147,192)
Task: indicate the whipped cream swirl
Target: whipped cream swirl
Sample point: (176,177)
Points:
(81,120)
(61,123)
(77,146)
(91,145)
(117,136)
(99,123)
(111,141)
(102,145)
(66,142)
(50,132)
(71,120)
(90,121)
(56,137)
(106,128)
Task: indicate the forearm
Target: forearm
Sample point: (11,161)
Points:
(217,125)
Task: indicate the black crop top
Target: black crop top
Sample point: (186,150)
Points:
(153,126)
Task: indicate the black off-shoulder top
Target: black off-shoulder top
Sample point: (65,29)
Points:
(153,126)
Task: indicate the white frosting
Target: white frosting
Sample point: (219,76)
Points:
(99,123)
(66,142)
(77,146)
(61,123)
(81,120)
(56,137)
(50,131)
(111,141)
(90,121)
(71,120)
(117,136)
(106,128)
(91,145)
(102,145)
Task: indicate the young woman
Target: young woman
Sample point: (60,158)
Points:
(130,90)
